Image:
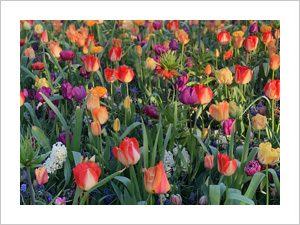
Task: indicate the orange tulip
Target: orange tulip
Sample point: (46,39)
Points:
(226,166)
(92,102)
(90,23)
(204,94)
(22,98)
(219,112)
(91,63)
(155,179)
(29,52)
(86,175)
(96,128)
(173,25)
(272,89)
(243,74)
(182,36)
(100,114)
(223,37)
(238,38)
(55,49)
(125,74)
(228,54)
(267,37)
(41,175)
(72,33)
(128,153)
(274,62)
(250,43)
(99,91)
(44,37)
(265,28)
(110,74)
(224,76)
(209,161)
(115,54)
(208,70)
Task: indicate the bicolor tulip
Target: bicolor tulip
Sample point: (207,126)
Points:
(96,128)
(115,54)
(22,98)
(238,38)
(243,74)
(219,112)
(91,63)
(226,165)
(209,161)
(272,89)
(41,175)
(223,37)
(250,43)
(204,93)
(125,74)
(173,25)
(110,74)
(274,62)
(228,54)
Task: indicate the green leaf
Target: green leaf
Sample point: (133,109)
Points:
(41,138)
(145,145)
(246,145)
(155,145)
(35,120)
(129,129)
(67,171)
(118,192)
(255,181)
(237,199)
(77,130)
(231,143)
(77,157)
(214,194)
(266,69)
(27,71)
(275,179)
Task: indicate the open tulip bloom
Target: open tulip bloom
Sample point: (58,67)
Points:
(135,112)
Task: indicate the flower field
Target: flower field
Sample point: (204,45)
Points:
(149,112)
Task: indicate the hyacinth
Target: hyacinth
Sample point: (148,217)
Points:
(169,163)
(57,157)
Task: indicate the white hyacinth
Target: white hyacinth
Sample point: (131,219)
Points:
(169,162)
(57,157)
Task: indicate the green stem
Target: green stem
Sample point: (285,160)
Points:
(32,193)
(273,115)
(259,135)
(273,74)
(150,199)
(127,89)
(160,199)
(134,179)
(216,63)
(181,58)
(111,90)
(267,184)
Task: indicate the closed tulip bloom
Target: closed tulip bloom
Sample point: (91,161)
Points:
(86,175)
(208,70)
(155,179)
(219,112)
(67,55)
(253,28)
(243,74)
(223,37)
(91,63)
(44,37)
(173,45)
(38,66)
(127,102)
(176,199)
(188,96)
(138,50)
(209,161)
(259,122)
(204,93)
(234,110)
(99,91)
(228,54)
(22,98)
(205,132)
(110,74)
(96,128)
(92,102)
(182,36)
(265,28)
(151,111)
(217,53)
(79,93)
(250,43)
(41,175)
(115,54)
(125,74)
(252,167)
(29,52)
(274,62)
(181,82)
(100,114)
(173,25)
(157,25)
(150,63)
(272,89)
(268,155)
(128,153)
(66,89)
(224,76)
(238,38)
(226,165)
(55,49)
(228,126)
(267,37)
(116,125)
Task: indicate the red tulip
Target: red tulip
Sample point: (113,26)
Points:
(115,54)
(250,43)
(173,25)
(274,62)
(204,93)
(272,89)
(38,66)
(155,179)
(267,37)
(41,175)
(44,37)
(226,166)
(110,74)
(223,37)
(91,63)
(243,74)
(125,74)
(22,98)
(228,54)
(86,175)
(128,153)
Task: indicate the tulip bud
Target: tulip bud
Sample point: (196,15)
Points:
(208,70)
(116,125)
(41,175)
(217,53)
(126,103)
(209,161)
(234,110)
(138,50)
(274,62)
(96,128)
(204,133)
(176,199)
(150,63)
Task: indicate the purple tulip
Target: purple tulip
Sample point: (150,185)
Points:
(181,82)
(62,137)
(227,126)
(51,114)
(45,90)
(53,76)
(159,49)
(157,25)
(253,28)
(188,96)
(151,111)
(67,88)
(156,58)
(142,43)
(173,45)
(67,55)
(189,62)
(252,167)
(31,94)
(186,30)
(84,73)
(79,93)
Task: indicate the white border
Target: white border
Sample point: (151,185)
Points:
(286,12)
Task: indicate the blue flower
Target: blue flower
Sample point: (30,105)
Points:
(23,188)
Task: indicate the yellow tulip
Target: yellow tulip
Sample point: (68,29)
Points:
(268,155)
(259,122)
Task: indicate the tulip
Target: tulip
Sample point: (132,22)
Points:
(159,49)
(181,82)
(96,128)
(62,137)
(138,50)
(238,38)
(252,167)
(250,43)
(115,54)
(173,25)
(277,33)
(253,28)
(226,166)
(268,155)
(45,90)
(265,28)
(151,111)
(41,175)
(272,89)
(84,73)
(173,45)
(228,126)
(22,42)
(86,175)
(110,74)
(91,63)
(92,102)
(274,62)
(38,66)
(125,74)
(116,125)
(217,53)
(205,132)
(228,54)
(60,201)
(204,94)
(176,199)
(157,25)
(55,49)
(44,37)
(224,76)
(208,70)
(29,52)
(67,88)
(267,37)
(182,36)
(79,93)
(188,96)
(259,122)
(209,161)
(67,55)
(128,153)
(150,63)
(223,37)
(234,110)
(22,98)
(219,112)
(38,28)
(41,82)
(127,102)
(99,91)
(243,74)
(100,114)
(155,179)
